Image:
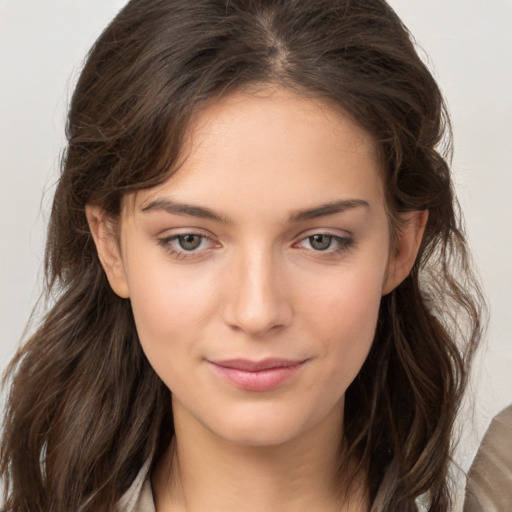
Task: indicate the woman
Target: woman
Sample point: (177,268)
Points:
(263,299)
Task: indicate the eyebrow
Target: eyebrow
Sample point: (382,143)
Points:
(171,206)
(322,210)
(328,209)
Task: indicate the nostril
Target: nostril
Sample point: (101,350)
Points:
(257,312)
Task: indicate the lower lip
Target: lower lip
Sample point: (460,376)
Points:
(261,380)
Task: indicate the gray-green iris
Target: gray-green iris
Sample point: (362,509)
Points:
(320,242)
(189,242)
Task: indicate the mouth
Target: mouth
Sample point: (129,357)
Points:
(264,375)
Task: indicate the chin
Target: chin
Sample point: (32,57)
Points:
(262,436)
(269,427)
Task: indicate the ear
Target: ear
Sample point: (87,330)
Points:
(104,235)
(407,246)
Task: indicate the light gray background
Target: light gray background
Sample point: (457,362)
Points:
(466,43)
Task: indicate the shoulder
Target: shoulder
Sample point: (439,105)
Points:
(139,497)
(488,486)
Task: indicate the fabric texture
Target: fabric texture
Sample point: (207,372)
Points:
(489,482)
(139,497)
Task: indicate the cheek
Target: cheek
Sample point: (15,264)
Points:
(170,313)
(344,318)
(169,306)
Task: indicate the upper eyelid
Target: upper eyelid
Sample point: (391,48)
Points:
(175,236)
(175,232)
(332,235)
(183,233)
(341,241)
(340,233)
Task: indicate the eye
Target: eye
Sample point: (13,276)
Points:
(186,245)
(325,242)
(320,242)
(189,242)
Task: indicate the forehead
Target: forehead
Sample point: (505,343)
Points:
(272,146)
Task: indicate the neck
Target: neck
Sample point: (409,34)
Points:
(201,471)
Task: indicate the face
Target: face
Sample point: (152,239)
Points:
(256,271)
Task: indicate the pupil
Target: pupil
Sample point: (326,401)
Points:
(190,242)
(320,242)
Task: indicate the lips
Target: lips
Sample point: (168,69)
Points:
(264,375)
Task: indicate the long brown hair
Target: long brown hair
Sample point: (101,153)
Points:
(85,408)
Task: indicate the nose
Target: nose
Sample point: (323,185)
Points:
(257,300)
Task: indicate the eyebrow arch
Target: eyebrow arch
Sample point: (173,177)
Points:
(328,209)
(171,206)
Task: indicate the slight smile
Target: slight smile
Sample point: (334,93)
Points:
(264,375)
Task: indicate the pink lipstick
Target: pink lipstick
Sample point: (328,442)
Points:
(262,375)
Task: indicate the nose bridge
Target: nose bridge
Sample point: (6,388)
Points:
(257,301)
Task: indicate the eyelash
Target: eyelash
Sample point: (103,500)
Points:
(181,254)
(343,244)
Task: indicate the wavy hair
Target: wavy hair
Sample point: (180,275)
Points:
(85,408)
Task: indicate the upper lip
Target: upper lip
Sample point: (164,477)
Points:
(254,366)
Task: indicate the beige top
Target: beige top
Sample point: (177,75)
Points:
(139,497)
(489,484)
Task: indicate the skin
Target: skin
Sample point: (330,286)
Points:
(259,286)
